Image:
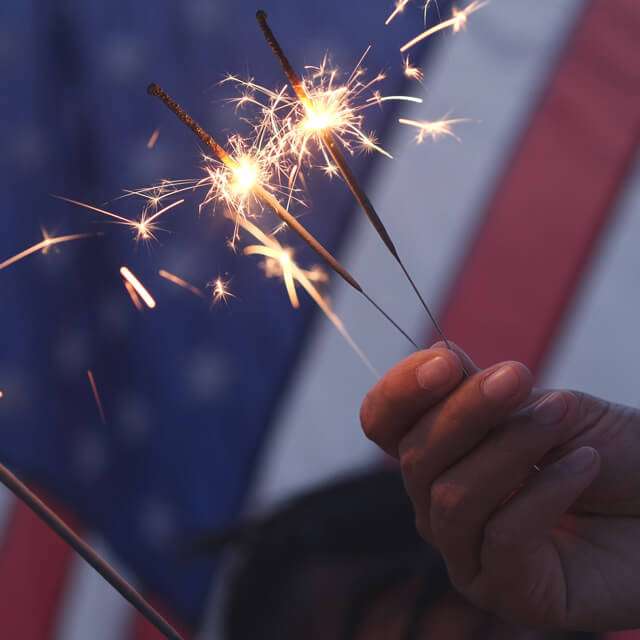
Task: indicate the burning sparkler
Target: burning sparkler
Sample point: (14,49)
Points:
(43,246)
(324,128)
(251,185)
(457,22)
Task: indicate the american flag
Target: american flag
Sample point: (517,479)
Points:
(213,414)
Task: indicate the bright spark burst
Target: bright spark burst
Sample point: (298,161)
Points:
(138,287)
(411,72)
(44,245)
(457,22)
(145,227)
(96,396)
(220,289)
(327,103)
(180,282)
(435,129)
(398,9)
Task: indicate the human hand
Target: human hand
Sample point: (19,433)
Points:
(556,548)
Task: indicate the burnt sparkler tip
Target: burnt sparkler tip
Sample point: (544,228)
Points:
(261,15)
(153,89)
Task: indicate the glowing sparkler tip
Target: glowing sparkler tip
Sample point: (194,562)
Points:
(220,289)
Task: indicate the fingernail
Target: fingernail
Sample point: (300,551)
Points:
(551,409)
(501,384)
(580,459)
(434,373)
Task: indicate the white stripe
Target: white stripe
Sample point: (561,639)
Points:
(92,608)
(599,349)
(431,198)
(7,502)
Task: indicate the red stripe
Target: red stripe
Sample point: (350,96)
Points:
(34,565)
(556,195)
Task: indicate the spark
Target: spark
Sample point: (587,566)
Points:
(433,129)
(457,22)
(220,288)
(399,8)
(145,227)
(138,287)
(180,282)
(153,138)
(96,395)
(135,298)
(411,72)
(44,245)
(280,262)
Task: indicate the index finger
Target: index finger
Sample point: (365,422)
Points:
(405,392)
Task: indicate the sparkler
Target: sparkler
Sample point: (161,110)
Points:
(411,72)
(44,245)
(180,282)
(96,396)
(249,182)
(87,553)
(326,135)
(138,287)
(457,22)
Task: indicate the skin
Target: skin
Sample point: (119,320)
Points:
(531,495)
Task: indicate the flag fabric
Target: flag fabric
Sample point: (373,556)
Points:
(211,414)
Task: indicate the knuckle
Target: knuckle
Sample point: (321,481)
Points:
(423,526)
(498,537)
(410,462)
(448,505)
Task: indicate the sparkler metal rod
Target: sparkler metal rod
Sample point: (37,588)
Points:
(343,167)
(87,553)
(270,201)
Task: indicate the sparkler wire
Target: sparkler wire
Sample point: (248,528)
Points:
(338,157)
(86,552)
(269,200)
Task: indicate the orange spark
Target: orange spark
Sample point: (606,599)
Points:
(153,139)
(96,395)
(180,282)
(137,303)
(221,291)
(399,8)
(411,72)
(44,245)
(435,129)
(457,22)
(139,288)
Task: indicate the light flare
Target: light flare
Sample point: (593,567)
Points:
(153,138)
(221,291)
(411,72)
